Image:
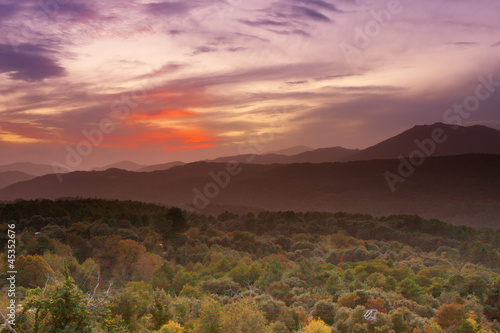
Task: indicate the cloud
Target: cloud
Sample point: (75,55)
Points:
(204,49)
(8,10)
(236,49)
(283,10)
(168,8)
(307,13)
(296,82)
(265,22)
(320,4)
(496,44)
(464,43)
(332,77)
(31,63)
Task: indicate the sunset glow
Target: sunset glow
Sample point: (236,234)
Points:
(189,80)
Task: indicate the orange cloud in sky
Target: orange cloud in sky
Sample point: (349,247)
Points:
(167,140)
(165,114)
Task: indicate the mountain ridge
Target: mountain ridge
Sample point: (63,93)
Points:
(465,194)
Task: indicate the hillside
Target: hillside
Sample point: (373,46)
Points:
(30,168)
(125,165)
(459,140)
(149,268)
(459,189)
(157,167)
(322,155)
(11,177)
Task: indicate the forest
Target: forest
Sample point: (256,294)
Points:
(91,265)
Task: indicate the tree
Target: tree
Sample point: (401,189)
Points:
(179,223)
(325,310)
(209,320)
(64,310)
(33,271)
(243,317)
(451,315)
(171,327)
(492,308)
(160,309)
(410,289)
(317,326)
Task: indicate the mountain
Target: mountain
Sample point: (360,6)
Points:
(125,165)
(255,159)
(459,189)
(458,140)
(292,150)
(157,167)
(323,155)
(11,177)
(30,168)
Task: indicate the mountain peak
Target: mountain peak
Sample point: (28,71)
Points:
(459,140)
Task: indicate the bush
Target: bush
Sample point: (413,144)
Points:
(317,326)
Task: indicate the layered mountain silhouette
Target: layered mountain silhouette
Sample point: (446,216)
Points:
(29,168)
(324,155)
(125,165)
(292,150)
(11,177)
(461,189)
(459,140)
(458,183)
(163,166)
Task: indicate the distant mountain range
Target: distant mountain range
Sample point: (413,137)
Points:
(459,141)
(157,167)
(324,155)
(460,189)
(132,166)
(292,150)
(125,165)
(459,182)
(29,168)
(11,177)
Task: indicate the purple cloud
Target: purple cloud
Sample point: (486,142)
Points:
(8,10)
(265,22)
(31,63)
(168,8)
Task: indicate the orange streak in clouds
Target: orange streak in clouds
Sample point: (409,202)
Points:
(168,140)
(143,116)
(207,145)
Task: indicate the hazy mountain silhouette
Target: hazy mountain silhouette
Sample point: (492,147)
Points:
(124,165)
(157,167)
(460,140)
(323,155)
(461,189)
(29,168)
(255,159)
(292,150)
(11,177)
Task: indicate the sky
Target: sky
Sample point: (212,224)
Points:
(90,83)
